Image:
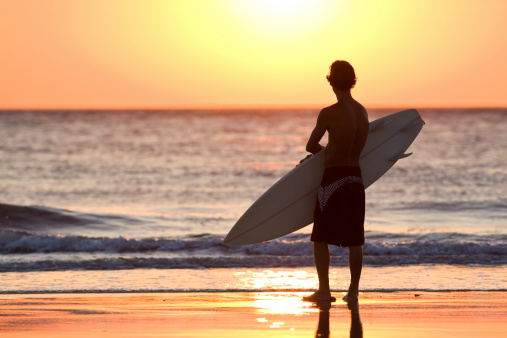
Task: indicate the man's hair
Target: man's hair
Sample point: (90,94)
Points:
(341,75)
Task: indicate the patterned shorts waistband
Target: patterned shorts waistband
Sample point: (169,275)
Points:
(325,192)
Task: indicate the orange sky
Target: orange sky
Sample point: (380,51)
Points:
(250,53)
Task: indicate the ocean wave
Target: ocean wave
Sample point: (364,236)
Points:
(260,261)
(291,245)
(43,219)
(14,242)
(51,252)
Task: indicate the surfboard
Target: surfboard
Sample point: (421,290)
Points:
(289,204)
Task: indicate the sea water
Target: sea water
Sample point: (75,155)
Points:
(140,201)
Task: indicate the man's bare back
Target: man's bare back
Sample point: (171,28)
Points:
(347,124)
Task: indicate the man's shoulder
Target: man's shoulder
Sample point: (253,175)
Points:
(334,106)
(329,109)
(332,112)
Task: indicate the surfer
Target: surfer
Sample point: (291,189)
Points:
(340,206)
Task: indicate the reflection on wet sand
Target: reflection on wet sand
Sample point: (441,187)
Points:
(251,315)
(277,310)
(356,327)
(323,327)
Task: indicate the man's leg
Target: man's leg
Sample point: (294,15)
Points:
(356,265)
(321,258)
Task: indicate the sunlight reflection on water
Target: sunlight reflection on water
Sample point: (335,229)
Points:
(282,303)
(269,279)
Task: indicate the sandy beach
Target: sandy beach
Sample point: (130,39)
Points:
(240,314)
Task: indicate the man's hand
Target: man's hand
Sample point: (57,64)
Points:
(307,157)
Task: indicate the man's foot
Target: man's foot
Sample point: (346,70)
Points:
(352,300)
(319,297)
(350,297)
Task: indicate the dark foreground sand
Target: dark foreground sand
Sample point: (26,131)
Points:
(240,314)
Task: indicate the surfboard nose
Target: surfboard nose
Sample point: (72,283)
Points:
(399,156)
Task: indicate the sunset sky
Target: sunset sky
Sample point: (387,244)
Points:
(250,53)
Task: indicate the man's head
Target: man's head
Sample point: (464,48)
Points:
(341,76)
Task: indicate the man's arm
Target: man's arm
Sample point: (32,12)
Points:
(313,145)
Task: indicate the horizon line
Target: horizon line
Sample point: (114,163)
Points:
(244,107)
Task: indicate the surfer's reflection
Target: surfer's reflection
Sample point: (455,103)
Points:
(323,326)
(356,327)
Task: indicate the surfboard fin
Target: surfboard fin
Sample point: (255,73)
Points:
(399,156)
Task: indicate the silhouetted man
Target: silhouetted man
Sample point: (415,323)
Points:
(340,206)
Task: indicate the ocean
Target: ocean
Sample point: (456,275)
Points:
(140,201)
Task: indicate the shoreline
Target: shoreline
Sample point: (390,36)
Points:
(225,291)
(373,279)
(252,314)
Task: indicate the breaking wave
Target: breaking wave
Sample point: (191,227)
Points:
(59,252)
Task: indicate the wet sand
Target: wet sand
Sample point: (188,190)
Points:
(242,314)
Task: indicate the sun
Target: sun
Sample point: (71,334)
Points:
(281,10)
(283,18)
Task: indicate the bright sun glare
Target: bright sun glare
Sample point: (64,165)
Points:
(287,18)
(281,9)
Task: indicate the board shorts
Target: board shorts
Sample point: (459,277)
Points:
(340,208)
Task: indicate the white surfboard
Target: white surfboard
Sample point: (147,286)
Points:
(289,204)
